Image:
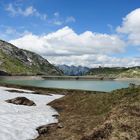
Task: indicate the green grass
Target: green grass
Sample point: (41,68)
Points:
(14,66)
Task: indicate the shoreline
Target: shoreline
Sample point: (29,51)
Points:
(86,78)
(51,90)
(75,78)
(127,79)
(21,77)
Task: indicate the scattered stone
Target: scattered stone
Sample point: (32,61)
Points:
(100,133)
(18,91)
(56,116)
(132,85)
(36,92)
(134,111)
(46,129)
(4,73)
(59,125)
(42,129)
(21,101)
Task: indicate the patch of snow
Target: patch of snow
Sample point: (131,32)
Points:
(19,122)
(23,90)
(29,60)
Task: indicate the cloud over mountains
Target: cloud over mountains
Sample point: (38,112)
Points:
(65,46)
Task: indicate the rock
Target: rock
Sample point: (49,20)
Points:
(21,101)
(101,133)
(132,85)
(3,73)
(13,90)
(59,125)
(46,129)
(56,115)
(42,129)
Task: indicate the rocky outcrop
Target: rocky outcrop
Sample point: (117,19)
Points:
(21,101)
(15,61)
(3,73)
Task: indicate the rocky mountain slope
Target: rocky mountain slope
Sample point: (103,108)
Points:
(15,61)
(73,70)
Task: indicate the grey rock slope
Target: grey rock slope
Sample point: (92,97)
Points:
(15,61)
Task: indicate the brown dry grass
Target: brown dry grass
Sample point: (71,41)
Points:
(110,116)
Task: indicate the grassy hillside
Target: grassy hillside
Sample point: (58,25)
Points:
(116,72)
(131,73)
(16,61)
(97,116)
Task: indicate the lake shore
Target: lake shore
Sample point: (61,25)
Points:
(53,78)
(84,114)
(21,77)
(64,78)
(127,79)
(75,78)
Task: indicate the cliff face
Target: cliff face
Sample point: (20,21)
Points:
(15,61)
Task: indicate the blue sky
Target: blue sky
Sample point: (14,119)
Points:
(91,29)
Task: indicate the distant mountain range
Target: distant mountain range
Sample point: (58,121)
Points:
(15,61)
(73,70)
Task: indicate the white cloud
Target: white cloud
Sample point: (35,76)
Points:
(70,19)
(66,42)
(131,27)
(56,14)
(58,20)
(95,61)
(91,49)
(6,32)
(67,47)
(28,11)
(16,10)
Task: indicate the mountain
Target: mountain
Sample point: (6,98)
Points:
(131,73)
(115,72)
(15,61)
(73,70)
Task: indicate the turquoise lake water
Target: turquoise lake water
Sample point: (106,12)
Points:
(75,84)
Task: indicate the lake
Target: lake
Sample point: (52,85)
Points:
(75,84)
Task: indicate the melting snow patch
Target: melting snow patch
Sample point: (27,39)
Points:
(19,122)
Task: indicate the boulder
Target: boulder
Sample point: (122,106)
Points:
(21,101)
(46,129)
